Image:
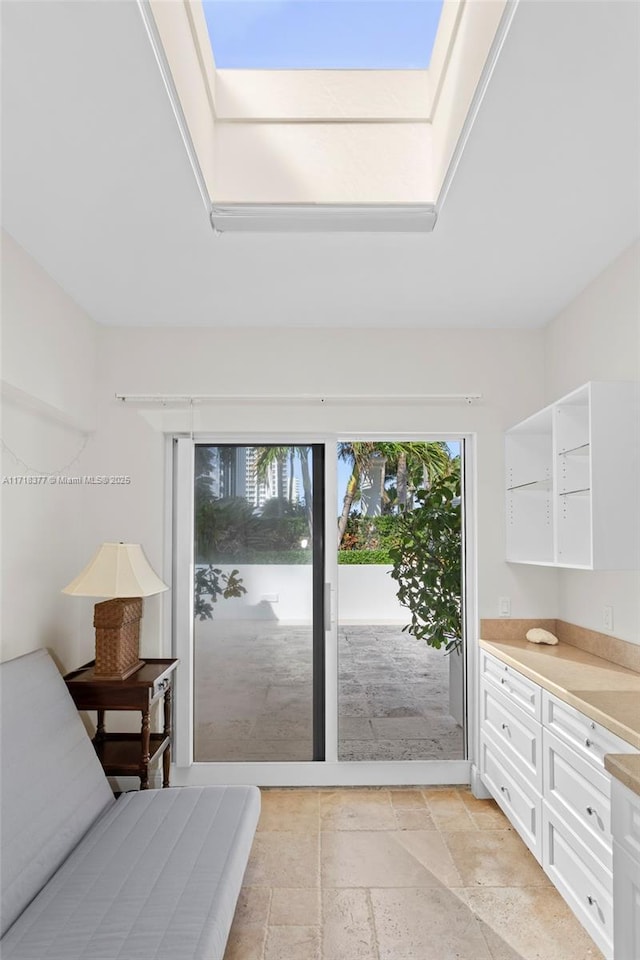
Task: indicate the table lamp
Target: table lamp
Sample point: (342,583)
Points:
(121,572)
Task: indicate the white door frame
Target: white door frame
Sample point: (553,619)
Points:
(179,566)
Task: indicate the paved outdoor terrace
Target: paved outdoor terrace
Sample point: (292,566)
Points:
(254,693)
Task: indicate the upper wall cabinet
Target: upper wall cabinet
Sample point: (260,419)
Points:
(573,481)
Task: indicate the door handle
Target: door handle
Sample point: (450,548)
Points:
(328,619)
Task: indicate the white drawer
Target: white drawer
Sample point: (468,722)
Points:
(625,814)
(581,879)
(522,691)
(520,802)
(516,733)
(589,738)
(580,793)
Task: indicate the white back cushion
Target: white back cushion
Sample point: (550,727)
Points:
(52,785)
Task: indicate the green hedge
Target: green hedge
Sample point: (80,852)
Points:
(247,557)
(364,556)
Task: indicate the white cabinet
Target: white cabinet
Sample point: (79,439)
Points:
(511,746)
(572,476)
(543,762)
(576,814)
(626,872)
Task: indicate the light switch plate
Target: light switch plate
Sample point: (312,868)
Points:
(504,606)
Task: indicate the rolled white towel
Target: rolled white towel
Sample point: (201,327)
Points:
(538,635)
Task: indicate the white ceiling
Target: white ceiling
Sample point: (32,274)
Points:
(98,188)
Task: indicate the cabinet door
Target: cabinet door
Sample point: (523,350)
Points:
(516,734)
(519,801)
(580,793)
(581,879)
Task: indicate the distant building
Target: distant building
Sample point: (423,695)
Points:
(234,473)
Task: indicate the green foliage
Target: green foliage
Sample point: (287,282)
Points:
(427,563)
(364,556)
(230,530)
(371,533)
(299,556)
(211,582)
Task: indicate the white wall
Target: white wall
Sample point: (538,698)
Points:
(504,366)
(48,375)
(54,389)
(597,337)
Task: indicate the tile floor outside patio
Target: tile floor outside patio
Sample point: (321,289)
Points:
(396,874)
(253,694)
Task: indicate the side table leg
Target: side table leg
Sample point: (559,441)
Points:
(166,756)
(145,748)
(99,737)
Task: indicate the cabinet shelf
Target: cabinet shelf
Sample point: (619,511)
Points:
(582,450)
(585,446)
(533,485)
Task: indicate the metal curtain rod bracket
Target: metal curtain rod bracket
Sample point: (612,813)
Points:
(320,399)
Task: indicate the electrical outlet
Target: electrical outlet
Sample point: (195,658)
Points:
(607,617)
(504,606)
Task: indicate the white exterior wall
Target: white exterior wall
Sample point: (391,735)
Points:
(366,594)
(597,337)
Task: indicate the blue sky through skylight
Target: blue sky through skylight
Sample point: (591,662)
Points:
(322,34)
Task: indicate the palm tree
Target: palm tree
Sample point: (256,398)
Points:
(412,463)
(274,454)
(358,453)
(415,465)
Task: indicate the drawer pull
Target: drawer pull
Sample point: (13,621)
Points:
(592,901)
(592,812)
(588,743)
(506,792)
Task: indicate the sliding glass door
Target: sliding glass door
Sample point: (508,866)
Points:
(286,619)
(258,643)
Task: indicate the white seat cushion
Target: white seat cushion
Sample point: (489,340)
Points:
(156,878)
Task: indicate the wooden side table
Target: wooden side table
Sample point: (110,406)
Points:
(123,754)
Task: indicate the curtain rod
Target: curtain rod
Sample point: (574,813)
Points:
(165,399)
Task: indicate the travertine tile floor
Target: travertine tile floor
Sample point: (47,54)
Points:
(396,874)
(253,682)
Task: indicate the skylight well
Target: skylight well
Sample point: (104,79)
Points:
(322,34)
(326,114)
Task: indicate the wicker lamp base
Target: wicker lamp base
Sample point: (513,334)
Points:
(117,624)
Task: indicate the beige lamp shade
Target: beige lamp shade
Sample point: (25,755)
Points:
(117,570)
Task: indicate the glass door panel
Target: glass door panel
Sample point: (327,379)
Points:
(258,630)
(399,697)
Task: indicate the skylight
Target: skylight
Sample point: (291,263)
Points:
(322,34)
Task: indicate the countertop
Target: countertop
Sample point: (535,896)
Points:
(625,767)
(603,691)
